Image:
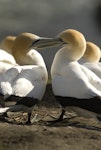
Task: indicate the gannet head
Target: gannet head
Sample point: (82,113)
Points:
(92,53)
(7,43)
(75,43)
(24,41)
(23,51)
(72,41)
(22,45)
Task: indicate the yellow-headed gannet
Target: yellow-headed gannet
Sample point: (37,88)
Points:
(73,84)
(25,83)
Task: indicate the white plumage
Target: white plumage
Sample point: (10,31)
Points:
(66,69)
(73,81)
(6,59)
(73,84)
(27,81)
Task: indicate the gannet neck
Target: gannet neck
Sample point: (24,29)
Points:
(92,53)
(22,46)
(7,43)
(75,43)
(70,52)
(60,61)
(35,58)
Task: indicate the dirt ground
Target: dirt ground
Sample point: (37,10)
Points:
(73,133)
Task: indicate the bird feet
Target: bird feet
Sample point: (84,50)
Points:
(33,120)
(60,119)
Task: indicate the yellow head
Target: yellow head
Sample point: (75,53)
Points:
(22,45)
(7,43)
(92,53)
(74,43)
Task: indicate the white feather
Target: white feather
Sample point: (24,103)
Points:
(31,82)
(95,67)
(7,61)
(25,81)
(71,79)
(6,57)
(6,80)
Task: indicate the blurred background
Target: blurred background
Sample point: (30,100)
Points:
(49,17)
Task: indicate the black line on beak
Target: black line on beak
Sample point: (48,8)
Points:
(35,42)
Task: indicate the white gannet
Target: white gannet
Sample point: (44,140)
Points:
(74,85)
(91,58)
(6,59)
(25,83)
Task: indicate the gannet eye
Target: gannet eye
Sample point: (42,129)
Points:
(37,40)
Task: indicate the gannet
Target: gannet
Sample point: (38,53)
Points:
(91,58)
(25,83)
(6,59)
(7,43)
(74,86)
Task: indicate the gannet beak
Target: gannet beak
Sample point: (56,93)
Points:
(47,42)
